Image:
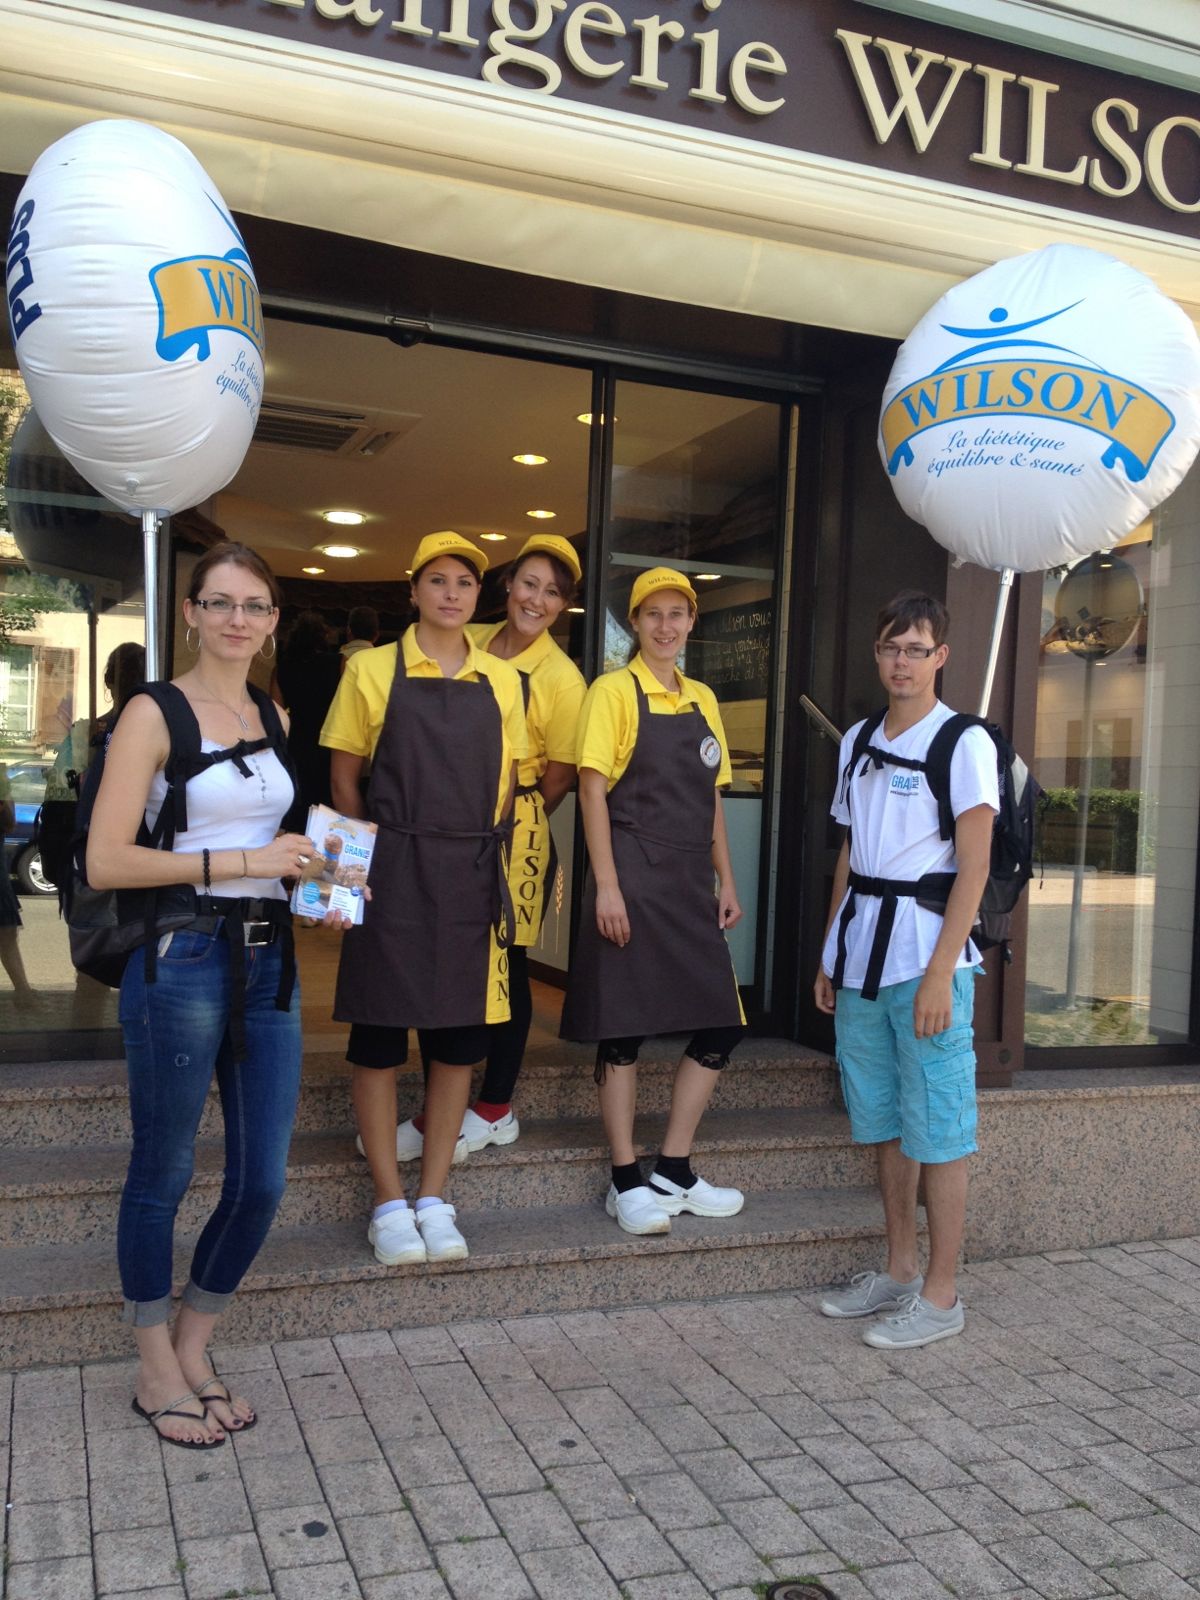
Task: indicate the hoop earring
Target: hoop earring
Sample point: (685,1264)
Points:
(269,640)
(192,649)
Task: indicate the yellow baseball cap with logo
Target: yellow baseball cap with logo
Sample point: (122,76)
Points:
(648,583)
(553,544)
(448,543)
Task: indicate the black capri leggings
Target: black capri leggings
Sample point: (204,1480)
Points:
(711,1047)
(374,1046)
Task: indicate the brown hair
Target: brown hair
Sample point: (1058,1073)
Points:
(238,555)
(912,609)
(453,555)
(564,578)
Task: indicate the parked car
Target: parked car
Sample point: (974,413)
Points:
(27,781)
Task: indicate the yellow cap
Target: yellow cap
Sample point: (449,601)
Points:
(448,544)
(647,583)
(553,544)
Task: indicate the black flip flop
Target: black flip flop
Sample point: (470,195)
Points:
(238,1425)
(169,1411)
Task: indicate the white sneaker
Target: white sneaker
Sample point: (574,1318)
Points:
(637,1210)
(702,1199)
(395,1239)
(410,1141)
(479,1132)
(443,1242)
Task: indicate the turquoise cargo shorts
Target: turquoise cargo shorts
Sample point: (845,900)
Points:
(896,1086)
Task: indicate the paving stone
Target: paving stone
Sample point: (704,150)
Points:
(49,1530)
(846,1459)
(1048,1568)
(425,1346)
(1173,1543)
(980,1511)
(770,1527)
(902,1509)
(591,1491)
(54,1474)
(1088,1538)
(722,1475)
(495,1467)
(855,1534)
(630,1547)
(69,1578)
(239,1357)
(282,1439)
(333,1582)
(210,1510)
(671,1500)
(962,1563)
(671,1586)
(215,1567)
(406,1586)
(1107,1496)
(906,1579)
(720,1557)
(756,1437)
(533,1521)
(576,1571)
(801,1417)
(299,1536)
(423,1462)
(388,1541)
(959,1441)
(141,1558)
(321,1398)
(451,1511)
(307,1358)
(802,1483)
(1184,1504)
(484,1569)
(1150,1580)
(363,1346)
(921,1463)
(681,1427)
(276,1483)
(138,1500)
(555,1444)
(1141,1472)
(46,1387)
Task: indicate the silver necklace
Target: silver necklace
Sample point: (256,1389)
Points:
(233,711)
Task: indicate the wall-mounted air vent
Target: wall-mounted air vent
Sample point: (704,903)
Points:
(329,430)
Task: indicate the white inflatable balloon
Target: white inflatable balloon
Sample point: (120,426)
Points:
(1042,409)
(135,316)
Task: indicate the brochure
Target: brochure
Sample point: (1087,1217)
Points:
(336,876)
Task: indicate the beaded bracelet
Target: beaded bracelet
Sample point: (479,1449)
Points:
(207,879)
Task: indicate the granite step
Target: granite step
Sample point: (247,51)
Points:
(84,1102)
(63,1306)
(68,1196)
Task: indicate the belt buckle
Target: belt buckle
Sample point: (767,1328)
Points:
(257,933)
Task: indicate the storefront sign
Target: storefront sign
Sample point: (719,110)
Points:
(831,77)
(1042,409)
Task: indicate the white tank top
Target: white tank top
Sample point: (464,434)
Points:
(229,812)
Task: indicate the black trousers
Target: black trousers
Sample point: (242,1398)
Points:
(506,1041)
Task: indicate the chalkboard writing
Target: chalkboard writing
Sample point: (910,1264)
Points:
(734,658)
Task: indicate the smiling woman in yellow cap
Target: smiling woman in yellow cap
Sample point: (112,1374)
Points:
(443,725)
(540,584)
(651,956)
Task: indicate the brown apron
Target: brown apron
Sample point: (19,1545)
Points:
(422,957)
(676,974)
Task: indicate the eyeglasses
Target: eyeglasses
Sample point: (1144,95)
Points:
(910,652)
(226,608)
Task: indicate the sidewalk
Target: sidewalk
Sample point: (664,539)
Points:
(694,1450)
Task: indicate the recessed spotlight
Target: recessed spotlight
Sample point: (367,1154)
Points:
(344,519)
(706,577)
(340,552)
(493,537)
(531,460)
(542,516)
(576,611)
(586,418)
(313,572)
(408,572)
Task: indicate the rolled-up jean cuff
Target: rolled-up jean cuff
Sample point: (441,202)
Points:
(204,1301)
(146,1313)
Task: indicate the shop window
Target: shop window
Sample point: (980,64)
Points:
(1118,751)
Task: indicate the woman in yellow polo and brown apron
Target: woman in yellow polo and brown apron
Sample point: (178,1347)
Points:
(651,956)
(443,725)
(540,585)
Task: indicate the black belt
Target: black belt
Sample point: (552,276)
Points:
(889,891)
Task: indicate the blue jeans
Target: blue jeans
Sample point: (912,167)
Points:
(175,1038)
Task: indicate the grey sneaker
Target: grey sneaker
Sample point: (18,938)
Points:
(868,1294)
(917,1322)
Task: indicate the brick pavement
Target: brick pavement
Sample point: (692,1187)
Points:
(667,1453)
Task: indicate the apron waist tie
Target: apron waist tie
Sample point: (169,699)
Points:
(492,842)
(666,844)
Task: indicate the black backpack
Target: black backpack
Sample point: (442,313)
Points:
(104,926)
(1014,831)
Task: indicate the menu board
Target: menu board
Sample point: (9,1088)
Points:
(735,654)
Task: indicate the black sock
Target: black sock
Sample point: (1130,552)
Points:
(676,1169)
(626,1178)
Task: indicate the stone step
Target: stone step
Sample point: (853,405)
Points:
(84,1102)
(63,1305)
(67,1196)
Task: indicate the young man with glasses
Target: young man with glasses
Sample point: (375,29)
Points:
(899,977)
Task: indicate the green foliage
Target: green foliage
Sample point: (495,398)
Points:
(1114,816)
(26,595)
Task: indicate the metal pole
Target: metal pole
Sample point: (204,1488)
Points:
(1006,580)
(150,563)
(1083,807)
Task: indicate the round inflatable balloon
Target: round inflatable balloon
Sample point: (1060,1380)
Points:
(135,316)
(1042,409)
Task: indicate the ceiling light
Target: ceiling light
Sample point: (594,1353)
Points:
(576,611)
(340,552)
(344,519)
(493,537)
(531,460)
(586,417)
(542,516)
(706,577)
(313,572)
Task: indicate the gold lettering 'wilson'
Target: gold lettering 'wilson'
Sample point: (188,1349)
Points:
(1133,421)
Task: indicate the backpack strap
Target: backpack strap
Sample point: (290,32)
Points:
(937,764)
(862,740)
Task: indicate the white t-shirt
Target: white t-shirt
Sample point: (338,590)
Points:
(895,835)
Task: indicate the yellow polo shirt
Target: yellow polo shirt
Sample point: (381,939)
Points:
(355,719)
(608,723)
(556,691)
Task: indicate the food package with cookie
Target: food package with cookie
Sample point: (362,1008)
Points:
(334,879)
